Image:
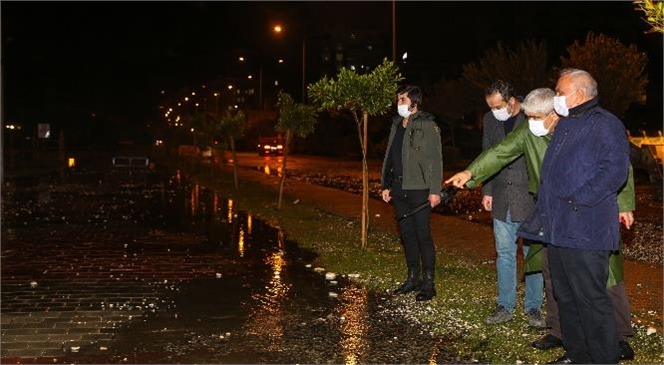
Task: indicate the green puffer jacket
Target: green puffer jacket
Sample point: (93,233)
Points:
(521,142)
(422,154)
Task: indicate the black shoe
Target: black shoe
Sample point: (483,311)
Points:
(412,283)
(428,290)
(407,287)
(425,295)
(549,341)
(561,360)
(626,352)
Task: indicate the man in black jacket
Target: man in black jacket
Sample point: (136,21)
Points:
(506,196)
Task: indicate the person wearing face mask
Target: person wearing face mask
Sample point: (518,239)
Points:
(411,175)
(531,140)
(580,178)
(506,196)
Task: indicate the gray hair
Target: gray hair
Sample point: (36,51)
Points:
(539,101)
(582,80)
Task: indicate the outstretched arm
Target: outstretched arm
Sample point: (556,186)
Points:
(492,160)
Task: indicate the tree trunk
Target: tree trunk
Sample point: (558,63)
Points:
(282,182)
(365,181)
(234,162)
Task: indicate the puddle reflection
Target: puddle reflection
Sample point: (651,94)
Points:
(240,242)
(195,191)
(268,317)
(245,293)
(277,169)
(178,177)
(229,209)
(354,312)
(215,205)
(249,224)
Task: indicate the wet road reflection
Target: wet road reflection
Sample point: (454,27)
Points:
(266,307)
(353,311)
(222,287)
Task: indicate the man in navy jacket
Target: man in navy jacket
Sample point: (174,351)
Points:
(584,167)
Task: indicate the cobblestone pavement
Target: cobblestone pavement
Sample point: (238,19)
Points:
(80,262)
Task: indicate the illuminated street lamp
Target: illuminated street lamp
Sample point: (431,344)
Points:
(304,61)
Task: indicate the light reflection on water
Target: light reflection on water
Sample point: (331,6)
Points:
(195,191)
(240,242)
(272,303)
(267,319)
(215,204)
(354,309)
(178,177)
(230,211)
(249,224)
(275,169)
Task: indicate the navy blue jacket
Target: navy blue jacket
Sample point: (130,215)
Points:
(584,167)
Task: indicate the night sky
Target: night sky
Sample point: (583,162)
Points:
(113,58)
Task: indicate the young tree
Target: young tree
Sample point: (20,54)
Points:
(294,119)
(231,128)
(362,96)
(654,12)
(620,71)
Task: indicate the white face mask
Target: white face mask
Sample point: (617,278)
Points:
(403,110)
(537,128)
(501,114)
(560,105)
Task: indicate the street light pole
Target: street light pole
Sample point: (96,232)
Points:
(394,31)
(304,74)
(278,29)
(260,88)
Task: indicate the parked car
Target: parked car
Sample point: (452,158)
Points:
(270,146)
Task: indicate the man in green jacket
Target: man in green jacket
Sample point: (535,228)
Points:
(411,175)
(531,140)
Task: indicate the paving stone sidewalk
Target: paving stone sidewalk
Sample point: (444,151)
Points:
(79,262)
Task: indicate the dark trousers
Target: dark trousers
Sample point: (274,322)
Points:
(585,309)
(617,293)
(415,230)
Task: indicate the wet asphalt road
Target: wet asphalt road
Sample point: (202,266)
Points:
(148,268)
